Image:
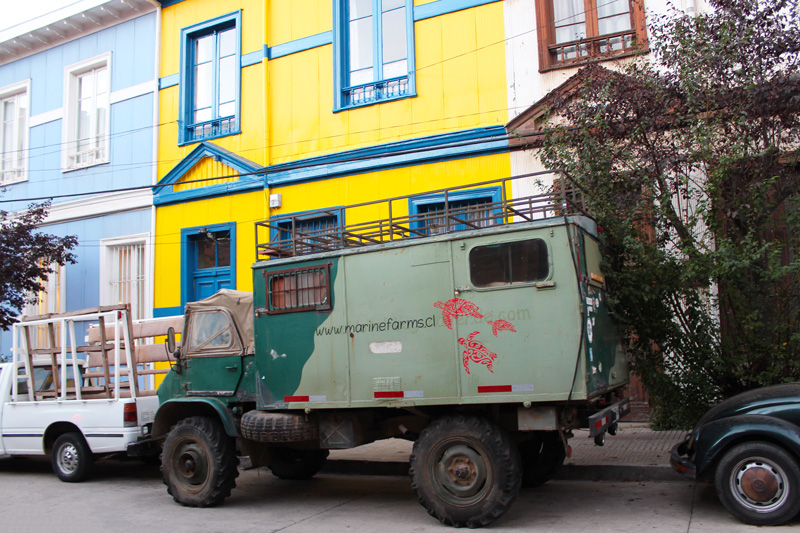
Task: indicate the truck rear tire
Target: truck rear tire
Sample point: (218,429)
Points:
(198,462)
(293,463)
(71,458)
(542,458)
(465,470)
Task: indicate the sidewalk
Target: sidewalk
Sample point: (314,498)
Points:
(636,453)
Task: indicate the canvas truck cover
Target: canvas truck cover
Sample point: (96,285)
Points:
(240,306)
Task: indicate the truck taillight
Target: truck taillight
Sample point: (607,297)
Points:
(129,415)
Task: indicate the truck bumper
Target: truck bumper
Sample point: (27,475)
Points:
(680,462)
(600,421)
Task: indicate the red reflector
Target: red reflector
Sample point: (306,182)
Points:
(494,388)
(389,394)
(598,424)
(288,399)
(129,413)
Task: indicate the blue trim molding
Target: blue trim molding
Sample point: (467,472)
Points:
(162,195)
(169,81)
(162,312)
(443,7)
(253,58)
(299,45)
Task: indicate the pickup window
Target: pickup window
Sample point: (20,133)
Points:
(507,263)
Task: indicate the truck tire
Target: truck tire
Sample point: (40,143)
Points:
(542,458)
(71,458)
(198,462)
(465,471)
(293,463)
(759,483)
(278,427)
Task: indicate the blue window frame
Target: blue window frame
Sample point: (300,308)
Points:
(373,49)
(210,79)
(477,207)
(208,261)
(312,224)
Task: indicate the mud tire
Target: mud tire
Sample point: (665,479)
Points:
(198,462)
(465,470)
(746,477)
(71,458)
(293,463)
(542,458)
(278,427)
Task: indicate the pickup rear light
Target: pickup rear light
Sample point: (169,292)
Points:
(129,415)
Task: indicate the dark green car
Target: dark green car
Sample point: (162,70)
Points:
(750,446)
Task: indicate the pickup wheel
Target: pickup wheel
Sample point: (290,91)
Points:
(465,471)
(292,463)
(199,462)
(71,458)
(542,458)
(759,483)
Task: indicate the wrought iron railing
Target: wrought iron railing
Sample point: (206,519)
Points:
(294,235)
(377,91)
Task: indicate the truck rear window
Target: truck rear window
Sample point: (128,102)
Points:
(507,263)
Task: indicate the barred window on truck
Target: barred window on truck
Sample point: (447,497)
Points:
(508,263)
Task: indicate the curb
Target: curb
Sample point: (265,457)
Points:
(566,473)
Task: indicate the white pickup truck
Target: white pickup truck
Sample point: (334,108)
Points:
(77,400)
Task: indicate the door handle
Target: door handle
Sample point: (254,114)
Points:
(232,368)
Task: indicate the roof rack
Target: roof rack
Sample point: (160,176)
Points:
(388,220)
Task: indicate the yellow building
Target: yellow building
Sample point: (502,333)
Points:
(270,108)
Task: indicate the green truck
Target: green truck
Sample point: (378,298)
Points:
(479,331)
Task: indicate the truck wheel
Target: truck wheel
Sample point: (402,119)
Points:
(759,484)
(71,458)
(199,462)
(292,463)
(465,471)
(542,458)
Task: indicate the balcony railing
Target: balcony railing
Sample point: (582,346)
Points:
(589,48)
(210,128)
(375,92)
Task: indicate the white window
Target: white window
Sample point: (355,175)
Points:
(14,114)
(87,120)
(123,274)
(50,300)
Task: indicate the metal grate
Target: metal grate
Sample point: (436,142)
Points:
(128,283)
(298,289)
(291,237)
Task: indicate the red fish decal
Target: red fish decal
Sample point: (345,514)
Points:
(455,308)
(476,352)
(501,325)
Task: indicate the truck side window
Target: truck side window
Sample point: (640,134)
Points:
(496,265)
(210,330)
(298,289)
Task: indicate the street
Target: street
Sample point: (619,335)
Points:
(127,496)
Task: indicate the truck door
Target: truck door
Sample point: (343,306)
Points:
(213,353)
(512,333)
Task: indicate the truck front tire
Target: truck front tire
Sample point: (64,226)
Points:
(71,458)
(465,470)
(198,462)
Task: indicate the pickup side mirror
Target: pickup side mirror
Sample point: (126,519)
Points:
(171,341)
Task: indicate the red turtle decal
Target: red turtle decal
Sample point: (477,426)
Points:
(476,352)
(501,325)
(455,308)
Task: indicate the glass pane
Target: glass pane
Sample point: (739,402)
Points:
(360,77)
(203,84)
(392,4)
(607,8)
(201,115)
(514,262)
(101,125)
(566,12)
(227,42)
(84,119)
(395,70)
(223,251)
(8,138)
(86,86)
(206,254)
(8,109)
(204,49)
(570,33)
(210,329)
(360,8)
(394,36)
(361,44)
(101,78)
(614,24)
(227,109)
(227,79)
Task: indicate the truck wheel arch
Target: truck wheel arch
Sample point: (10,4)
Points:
(173,411)
(55,430)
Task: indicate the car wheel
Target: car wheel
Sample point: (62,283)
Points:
(71,458)
(759,483)
(465,471)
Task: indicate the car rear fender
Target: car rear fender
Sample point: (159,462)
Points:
(718,436)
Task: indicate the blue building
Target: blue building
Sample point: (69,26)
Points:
(78,103)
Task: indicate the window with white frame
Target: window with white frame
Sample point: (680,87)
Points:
(373,44)
(14,114)
(87,112)
(123,274)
